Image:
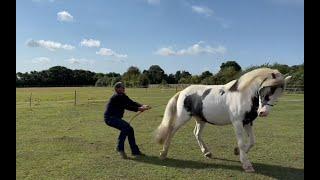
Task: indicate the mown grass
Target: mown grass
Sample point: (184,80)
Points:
(57,140)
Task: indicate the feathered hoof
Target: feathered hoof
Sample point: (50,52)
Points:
(163,155)
(248,168)
(236,151)
(208,155)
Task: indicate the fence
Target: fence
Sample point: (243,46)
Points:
(75,100)
(295,89)
(298,89)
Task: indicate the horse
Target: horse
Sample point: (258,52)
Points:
(238,102)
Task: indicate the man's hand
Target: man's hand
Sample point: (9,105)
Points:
(143,108)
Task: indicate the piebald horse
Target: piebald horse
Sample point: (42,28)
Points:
(238,102)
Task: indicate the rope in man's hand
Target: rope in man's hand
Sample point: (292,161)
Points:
(141,110)
(147,108)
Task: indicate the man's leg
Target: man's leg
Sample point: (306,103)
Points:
(121,125)
(132,141)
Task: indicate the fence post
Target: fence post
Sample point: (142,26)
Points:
(30,100)
(75,97)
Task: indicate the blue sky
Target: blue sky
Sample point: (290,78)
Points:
(193,35)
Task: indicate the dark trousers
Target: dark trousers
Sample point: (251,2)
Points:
(125,130)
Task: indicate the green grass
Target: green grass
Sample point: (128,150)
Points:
(57,140)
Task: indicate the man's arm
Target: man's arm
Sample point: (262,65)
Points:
(131,105)
(135,106)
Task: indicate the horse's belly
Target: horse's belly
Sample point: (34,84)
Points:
(218,115)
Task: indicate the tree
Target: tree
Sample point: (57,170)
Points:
(232,64)
(195,79)
(171,79)
(155,74)
(210,80)
(282,68)
(297,73)
(143,80)
(185,74)
(60,76)
(107,81)
(177,76)
(113,74)
(98,76)
(185,80)
(229,70)
(131,77)
(82,77)
(205,74)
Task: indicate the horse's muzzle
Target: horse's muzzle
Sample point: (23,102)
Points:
(263,114)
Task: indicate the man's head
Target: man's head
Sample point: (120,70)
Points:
(119,88)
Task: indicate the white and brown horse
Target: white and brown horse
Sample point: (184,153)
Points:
(238,102)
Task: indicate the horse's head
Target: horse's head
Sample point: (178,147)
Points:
(270,90)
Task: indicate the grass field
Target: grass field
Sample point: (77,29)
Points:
(57,140)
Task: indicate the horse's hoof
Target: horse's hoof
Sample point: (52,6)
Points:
(236,151)
(163,156)
(208,155)
(248,169)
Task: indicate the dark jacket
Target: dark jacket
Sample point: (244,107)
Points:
(118,103)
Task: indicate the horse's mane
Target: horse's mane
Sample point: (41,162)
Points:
(255,77)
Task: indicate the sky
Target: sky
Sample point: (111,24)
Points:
(193,35)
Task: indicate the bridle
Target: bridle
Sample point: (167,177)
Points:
(264,102)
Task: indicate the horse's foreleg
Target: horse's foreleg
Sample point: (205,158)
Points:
(239,130)
(251,141)
(198,132)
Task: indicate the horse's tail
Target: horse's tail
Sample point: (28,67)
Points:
(167,121)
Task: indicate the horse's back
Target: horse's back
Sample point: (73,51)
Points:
(206,102)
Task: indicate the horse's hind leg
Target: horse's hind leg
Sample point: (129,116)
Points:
(198,132)
(180,121)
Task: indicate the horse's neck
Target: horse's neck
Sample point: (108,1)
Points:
(252,90)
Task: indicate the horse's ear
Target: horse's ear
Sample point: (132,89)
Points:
(232,85)
(286,80)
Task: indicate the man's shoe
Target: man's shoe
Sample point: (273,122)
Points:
(139,154)
(123,155)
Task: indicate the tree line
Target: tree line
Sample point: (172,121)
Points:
(133,77)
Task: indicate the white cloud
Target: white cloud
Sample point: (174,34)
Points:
(80,61)
(166,51)
(109,52)
(153,2)
(41,60)
(90,43)
(50,45)
(202,10)
(192,50)
(64,16)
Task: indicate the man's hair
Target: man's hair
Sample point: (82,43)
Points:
(118,85)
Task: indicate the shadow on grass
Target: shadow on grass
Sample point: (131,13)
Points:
(274,171)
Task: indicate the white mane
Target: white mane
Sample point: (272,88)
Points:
(253,79)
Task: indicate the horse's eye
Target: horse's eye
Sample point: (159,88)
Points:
(273,89)
(267,98)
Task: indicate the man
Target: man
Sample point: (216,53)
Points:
(113,117)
